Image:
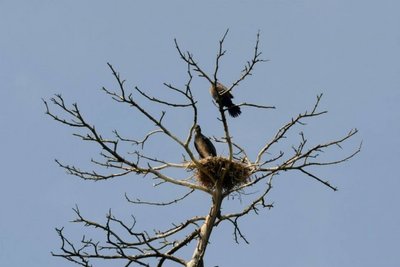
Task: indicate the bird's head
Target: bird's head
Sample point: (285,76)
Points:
(197,129)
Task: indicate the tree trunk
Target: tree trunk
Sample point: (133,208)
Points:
(206,229)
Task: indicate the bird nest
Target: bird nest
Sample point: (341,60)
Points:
(236,173)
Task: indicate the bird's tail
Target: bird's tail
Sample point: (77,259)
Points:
(234,111)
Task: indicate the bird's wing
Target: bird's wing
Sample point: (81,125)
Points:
(222,91)
(210,146)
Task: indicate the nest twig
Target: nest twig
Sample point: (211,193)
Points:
(236,173)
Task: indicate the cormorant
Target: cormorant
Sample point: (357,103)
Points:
(203,145)
(225,99)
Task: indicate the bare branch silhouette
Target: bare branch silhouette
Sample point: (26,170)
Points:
(228,176)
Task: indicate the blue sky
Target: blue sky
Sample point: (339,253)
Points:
(348,50)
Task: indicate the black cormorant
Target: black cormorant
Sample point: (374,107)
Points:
(225,99)
(203,145)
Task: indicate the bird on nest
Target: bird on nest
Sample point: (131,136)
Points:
(203,145)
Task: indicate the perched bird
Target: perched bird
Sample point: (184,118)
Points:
(203,145)
(225,99)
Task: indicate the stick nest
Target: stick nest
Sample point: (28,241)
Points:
(237,174)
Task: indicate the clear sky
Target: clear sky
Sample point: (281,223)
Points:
(347,49)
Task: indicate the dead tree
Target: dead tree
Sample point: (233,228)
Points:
(219,177)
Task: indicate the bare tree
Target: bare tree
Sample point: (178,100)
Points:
(219,177)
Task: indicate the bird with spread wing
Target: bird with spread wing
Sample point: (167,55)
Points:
(220,94)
